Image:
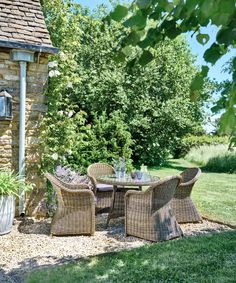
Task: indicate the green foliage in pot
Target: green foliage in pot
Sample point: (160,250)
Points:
(10,183)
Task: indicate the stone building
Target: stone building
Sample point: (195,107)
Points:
(24,49)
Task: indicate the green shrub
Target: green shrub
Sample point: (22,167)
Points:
(223,164)
(213,158)
(189,142)
(77,143)
(131,111)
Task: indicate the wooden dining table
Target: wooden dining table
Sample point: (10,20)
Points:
(120,187)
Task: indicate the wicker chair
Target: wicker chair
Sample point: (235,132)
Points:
(75,214)
(102,192)
(182,204)
(148,214)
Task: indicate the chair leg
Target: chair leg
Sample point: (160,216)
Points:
(108,220)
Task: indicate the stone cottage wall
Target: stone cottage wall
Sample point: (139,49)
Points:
(35,108)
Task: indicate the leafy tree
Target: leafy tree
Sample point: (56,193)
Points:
(170,19)
(100,109)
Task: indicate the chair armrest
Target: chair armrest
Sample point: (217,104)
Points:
(94,182)
(191,182)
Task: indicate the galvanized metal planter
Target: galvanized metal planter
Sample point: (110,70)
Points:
(7,213)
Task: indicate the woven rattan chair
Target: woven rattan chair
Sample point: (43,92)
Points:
(148,214)
(102,192)
(182,204)
(75,214)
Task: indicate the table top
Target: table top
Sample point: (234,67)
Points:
(127,180)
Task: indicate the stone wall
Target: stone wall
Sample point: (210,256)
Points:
(37,74)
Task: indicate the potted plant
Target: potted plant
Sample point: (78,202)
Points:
(10,184)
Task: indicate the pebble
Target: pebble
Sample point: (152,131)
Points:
(30,246)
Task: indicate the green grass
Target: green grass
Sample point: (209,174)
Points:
(210,258)
(214,158)
(214,193)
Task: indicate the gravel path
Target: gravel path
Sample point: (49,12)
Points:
(29,245)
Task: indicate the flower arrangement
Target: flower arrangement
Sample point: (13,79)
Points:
(120,167)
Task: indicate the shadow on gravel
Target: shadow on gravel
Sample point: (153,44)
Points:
(29,226)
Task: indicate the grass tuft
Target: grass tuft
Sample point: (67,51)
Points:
(213,158)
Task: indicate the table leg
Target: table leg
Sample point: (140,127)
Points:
(117,208)
(112,205)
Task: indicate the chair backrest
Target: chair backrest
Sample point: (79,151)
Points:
(190,174)
(163,191)
(98,169)
(64,191)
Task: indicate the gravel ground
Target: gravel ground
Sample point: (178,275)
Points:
(30,245)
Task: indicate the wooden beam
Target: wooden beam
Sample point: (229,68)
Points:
(28,46)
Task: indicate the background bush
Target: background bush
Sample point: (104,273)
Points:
(214,158)
(189,142)
(100,108)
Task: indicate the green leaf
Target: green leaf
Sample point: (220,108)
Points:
(119,57)
(172,31)
(133,38)
(191,5)
(156,15)
(232,97)
(208,8)
(166,5)
(143,4)
(146,42)
(226,36)
(228,121)
(119,13)
(145,58)
(203,38)
(137,20)
(127,50)
(198,83)
(213,53)
(234,63)
(204,71)
(224,12)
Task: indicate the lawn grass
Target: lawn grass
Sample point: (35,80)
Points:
(214,193)
(209,258)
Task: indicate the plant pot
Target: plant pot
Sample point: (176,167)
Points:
(7,213)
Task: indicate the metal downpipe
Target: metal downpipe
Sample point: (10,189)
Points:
(23,65)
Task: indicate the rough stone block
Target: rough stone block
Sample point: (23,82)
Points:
(5,55)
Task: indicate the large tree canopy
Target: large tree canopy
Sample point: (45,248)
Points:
(153,21)
(100,109)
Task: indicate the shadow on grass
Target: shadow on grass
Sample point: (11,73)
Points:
(170,165)
(208,258)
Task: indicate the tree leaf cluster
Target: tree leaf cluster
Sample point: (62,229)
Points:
(99,108)
(170,19)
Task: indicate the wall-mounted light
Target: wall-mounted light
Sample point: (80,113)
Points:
(5,106)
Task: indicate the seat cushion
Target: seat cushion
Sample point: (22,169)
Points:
(104,188)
